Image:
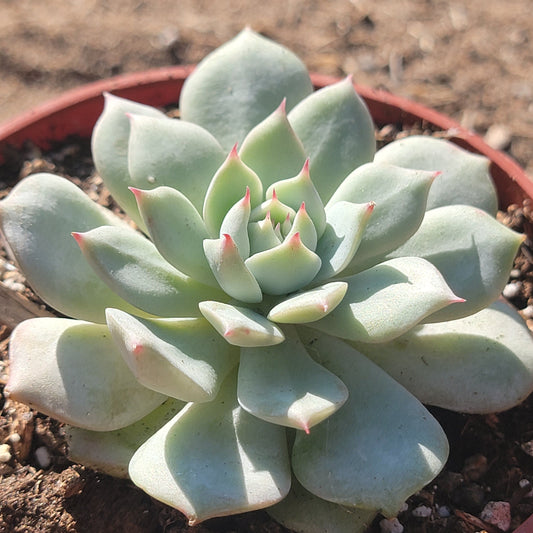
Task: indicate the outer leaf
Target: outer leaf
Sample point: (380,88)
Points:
(283,385)
(111,451)
(392,444)
(214,460)
(37,219)
(456,164)
(310,305)
(241,326)
(272,149)
(239,84)
(337,132)
(304,512)
(387,300)
(165,151)
(346,223)
(110,147)
(472,251)
(71,370)
(230,270)
(132,266)
(177,230)
(182,358)
(227,187)
(400,195)
(479,364)
(285,268)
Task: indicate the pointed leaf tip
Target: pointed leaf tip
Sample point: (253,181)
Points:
(283,107)
(78,237)
(234,154)
(137,348)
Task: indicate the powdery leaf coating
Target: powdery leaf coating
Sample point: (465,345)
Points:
(249,264)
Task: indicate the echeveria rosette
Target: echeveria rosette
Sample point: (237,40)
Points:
(270,339)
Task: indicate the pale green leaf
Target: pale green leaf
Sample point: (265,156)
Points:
(175,153)
(111,451)
(471,250)
(346,224)
(283,385)
(227,187)
(131,265)
(177,230)
(109,145)
(239,84)
(387,300)
(309,305)
(230,270)
(286,268)
(262,235)
(376,451)
(235,224)
(72,371)
(214,459)
(465,177)
(300,188)
(303,512)
(272,149)
(400,197)
(180,357)
(303,225)
(241,326)
(479,364)
(37,219)
(337,132)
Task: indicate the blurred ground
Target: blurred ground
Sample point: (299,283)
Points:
(472,60)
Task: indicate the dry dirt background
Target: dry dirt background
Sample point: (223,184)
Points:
(472,59)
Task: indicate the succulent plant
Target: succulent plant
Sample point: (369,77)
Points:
(266,334)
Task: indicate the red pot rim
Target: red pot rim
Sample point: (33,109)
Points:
(76,111)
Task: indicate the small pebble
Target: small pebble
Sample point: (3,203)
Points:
(444,511)
(511,290)
(498,136)
(528,311)
(515,273)
(5,454)
(390,525)
(422,511)
(42,456)
(498,514)
(14,438)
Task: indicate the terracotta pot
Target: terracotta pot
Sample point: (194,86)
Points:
(76,111)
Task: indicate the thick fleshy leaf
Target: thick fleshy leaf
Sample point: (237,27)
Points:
(283,385)
(214,459)
(387,300)
(400,195)
(376,451)
(241,326)
(472,251)
(346,223)
(272,149)
(337,132)
(235,224)
(465,176)
(109,145)
(285,268)
(131,265)
(72,371)
(37,219)
(239,84)
(111,451)
(262,235)
(479,364)
(310,305)
(227,187)
(300,188)
(230,270)
(177,230)
(181,357)
(275,209)
(181,155)
(303,512)
(303,225)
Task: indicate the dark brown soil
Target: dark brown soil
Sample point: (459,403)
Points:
(471,60)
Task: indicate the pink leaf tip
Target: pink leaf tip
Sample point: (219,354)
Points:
(137,348)
(283,107)
(78,237)
(234,154)
(136,192)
